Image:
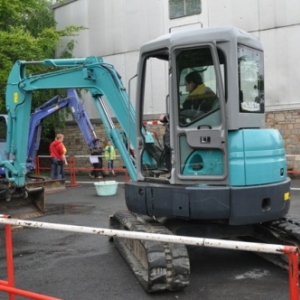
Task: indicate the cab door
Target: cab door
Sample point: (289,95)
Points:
(199,130)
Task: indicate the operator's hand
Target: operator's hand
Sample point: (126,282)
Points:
(66,163)
(163,118)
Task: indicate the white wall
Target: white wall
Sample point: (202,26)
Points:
(117,29)
(277,23)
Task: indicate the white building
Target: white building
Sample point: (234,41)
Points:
(117,28)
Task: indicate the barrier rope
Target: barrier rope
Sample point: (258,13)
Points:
(290,251)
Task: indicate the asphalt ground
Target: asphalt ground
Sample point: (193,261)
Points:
(78,266)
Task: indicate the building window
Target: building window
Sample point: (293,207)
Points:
(182,8)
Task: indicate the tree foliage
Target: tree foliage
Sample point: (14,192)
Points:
(28,32)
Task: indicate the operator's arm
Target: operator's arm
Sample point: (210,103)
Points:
(164,118)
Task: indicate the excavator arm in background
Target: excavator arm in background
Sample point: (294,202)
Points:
(72,101)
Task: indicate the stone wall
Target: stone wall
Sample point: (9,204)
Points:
(288,123)
(76,145)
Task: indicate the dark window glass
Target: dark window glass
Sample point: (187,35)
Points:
(182,8)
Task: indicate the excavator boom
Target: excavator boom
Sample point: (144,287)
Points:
(100,79)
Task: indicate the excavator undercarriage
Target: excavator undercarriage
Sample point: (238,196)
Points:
(162,266)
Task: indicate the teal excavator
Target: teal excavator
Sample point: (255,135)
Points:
(228,173)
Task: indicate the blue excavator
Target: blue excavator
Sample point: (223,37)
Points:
(73,103)
(227,175)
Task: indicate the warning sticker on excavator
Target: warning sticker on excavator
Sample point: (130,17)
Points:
(16,97)
(286,196)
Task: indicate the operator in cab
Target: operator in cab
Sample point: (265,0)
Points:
(199,101)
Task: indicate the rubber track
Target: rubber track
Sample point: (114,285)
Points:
(286,231)
(289,228)
(168,266)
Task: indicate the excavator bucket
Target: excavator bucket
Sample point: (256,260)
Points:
(30,202)
(24,205)
(50,186)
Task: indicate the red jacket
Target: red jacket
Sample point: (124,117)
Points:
(57,149)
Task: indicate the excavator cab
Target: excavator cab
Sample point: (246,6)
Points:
(217,137)
(229,81)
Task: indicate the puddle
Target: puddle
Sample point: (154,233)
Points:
(70,209)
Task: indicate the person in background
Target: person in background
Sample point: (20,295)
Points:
(58,155)
(96,173)
(110,155)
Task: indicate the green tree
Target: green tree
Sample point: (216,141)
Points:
(28,32)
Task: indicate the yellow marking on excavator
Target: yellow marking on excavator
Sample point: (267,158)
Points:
(16,97)
(286,196)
